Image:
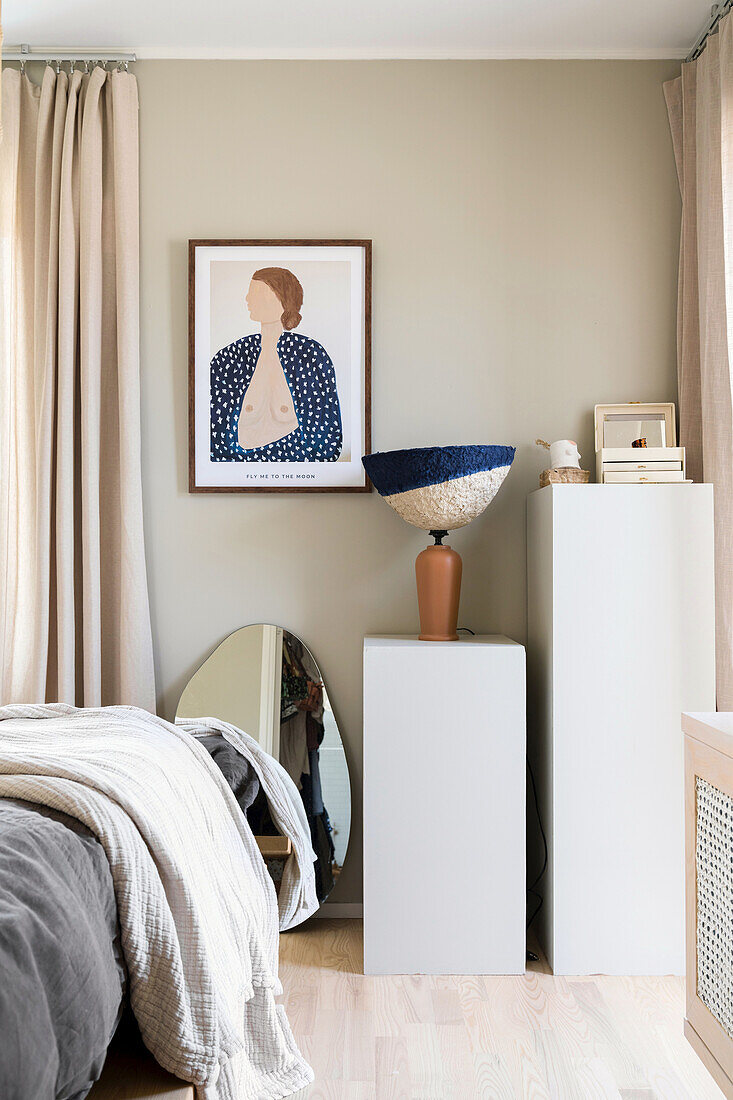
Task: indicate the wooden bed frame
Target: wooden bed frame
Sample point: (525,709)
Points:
(135,1075)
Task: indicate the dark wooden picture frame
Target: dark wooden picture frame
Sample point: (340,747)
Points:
(365,435)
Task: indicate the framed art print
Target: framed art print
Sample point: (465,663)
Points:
(279,365)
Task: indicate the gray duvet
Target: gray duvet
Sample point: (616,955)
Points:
(61,971)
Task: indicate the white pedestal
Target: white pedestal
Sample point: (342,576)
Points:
(444,806)
(620,641)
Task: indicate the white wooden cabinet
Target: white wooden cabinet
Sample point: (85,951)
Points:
(444,806)
(620,641)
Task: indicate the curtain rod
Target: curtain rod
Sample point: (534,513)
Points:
(716,14)
(62,53)
(25,52)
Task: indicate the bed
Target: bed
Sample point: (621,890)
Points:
(67,958)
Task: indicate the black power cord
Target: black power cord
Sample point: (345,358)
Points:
(532,890)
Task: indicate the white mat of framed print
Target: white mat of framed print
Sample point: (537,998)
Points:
(279,402)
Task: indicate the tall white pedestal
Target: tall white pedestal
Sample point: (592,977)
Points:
(444,806)
(620,641)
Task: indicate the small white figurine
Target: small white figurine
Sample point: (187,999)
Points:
(563,453)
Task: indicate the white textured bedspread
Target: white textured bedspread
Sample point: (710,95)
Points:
(297,899)
(198,912)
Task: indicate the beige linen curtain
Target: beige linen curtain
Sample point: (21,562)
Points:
(700,106)
(74,615)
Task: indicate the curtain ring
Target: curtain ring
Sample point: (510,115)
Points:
(72,66)
(86,66)
(58,67)
(127,67)
(22,66)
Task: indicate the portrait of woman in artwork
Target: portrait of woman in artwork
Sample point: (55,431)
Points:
(273,393)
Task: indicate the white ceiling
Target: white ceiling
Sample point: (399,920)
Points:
(362,28)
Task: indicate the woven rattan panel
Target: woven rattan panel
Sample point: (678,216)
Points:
(714,868)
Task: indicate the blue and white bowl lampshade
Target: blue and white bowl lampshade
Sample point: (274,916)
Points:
(439,488)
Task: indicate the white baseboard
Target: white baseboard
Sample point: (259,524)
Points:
(343,910)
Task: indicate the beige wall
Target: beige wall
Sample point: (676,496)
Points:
(525,219)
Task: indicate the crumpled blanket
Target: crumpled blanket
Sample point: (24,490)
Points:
(197,909)
(297,899)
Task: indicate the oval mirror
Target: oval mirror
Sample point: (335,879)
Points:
(264,680)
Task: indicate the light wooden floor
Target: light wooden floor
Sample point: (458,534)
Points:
(511,1038)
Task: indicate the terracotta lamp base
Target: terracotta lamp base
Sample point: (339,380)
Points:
(438,571)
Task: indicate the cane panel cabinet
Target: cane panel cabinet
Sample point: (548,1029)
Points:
(709,891)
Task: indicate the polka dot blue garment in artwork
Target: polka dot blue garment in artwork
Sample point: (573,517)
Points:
(311,379)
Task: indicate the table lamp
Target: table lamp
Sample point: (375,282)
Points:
(439,489)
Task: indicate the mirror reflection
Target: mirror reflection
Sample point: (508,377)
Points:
(266,681)
(628,430)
